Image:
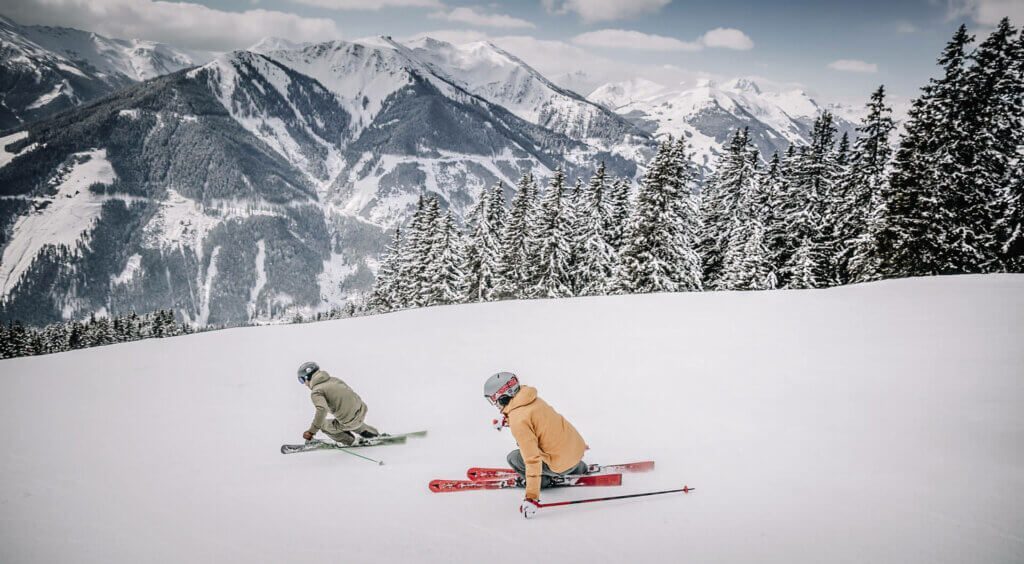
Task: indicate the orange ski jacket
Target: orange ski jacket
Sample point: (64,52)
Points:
(544,437)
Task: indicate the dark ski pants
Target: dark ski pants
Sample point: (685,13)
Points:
(346,437)
(515,460)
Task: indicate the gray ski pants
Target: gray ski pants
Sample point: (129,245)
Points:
(515,460)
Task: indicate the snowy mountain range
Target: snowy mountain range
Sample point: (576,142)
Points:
(262,182)
(708,113)
(47,69)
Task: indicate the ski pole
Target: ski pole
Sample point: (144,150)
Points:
(379,462)
(684,489)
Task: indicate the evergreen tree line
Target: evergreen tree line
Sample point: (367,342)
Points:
(947,199)
(592,238)
(17,340)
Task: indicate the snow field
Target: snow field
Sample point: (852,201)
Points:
(872,423)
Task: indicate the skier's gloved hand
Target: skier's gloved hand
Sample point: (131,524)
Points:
(307,435)
(529,507)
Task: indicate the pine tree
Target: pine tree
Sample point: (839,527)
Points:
(811,219)
(619,211)
(574,224)
(447,280)
(865,183)
(745,231)
(732,179)
(384,296)
(416,253)
(995,126)
(598,257)
(484,247)
(1011,226)
(914,235)
(775,216)
(516,251)
(552,277)
(660,252)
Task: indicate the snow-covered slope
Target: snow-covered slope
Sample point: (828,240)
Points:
(874,423)
(708,113)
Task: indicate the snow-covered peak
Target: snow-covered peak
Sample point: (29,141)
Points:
(617,94)
(270,44)
(744,85)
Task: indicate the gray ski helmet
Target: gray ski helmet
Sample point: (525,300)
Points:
(500,388)
(307,370)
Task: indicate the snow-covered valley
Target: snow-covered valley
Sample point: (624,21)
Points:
(870,423)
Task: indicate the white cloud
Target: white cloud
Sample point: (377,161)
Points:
(727,38)
(370,5)
(986,12)
(626,39)
(470,15)
(851,65)
(604,10)
(181,24)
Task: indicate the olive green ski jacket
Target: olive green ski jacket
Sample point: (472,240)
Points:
(331,395)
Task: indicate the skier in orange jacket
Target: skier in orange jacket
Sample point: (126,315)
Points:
(549,446)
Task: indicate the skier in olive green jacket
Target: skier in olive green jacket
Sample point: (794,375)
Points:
(331,395)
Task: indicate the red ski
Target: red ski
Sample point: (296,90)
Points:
(502,473)
(440,486)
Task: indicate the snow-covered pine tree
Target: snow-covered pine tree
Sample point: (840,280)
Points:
(483,250)
(516,252)
(811,221)
(384,297)
(571,203)
(773,190)
(619,211)
(742,270)
(865,182)
(1011,226)
(552,277)
(733,177)
(417,252)
(598,257)
(994,124)
(447,280)
(660,251)
(913,237)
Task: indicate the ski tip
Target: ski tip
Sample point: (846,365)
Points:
(284,449)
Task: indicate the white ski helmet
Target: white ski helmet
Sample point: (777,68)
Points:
(500,388)
(307,370)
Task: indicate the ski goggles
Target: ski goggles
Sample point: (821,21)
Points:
(512,384)
(302,380)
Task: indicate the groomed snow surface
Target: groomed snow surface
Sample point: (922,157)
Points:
(873,423)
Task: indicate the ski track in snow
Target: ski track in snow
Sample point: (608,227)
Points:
(871,423)
(69,214)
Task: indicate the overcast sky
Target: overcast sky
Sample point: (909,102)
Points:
(838,50)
